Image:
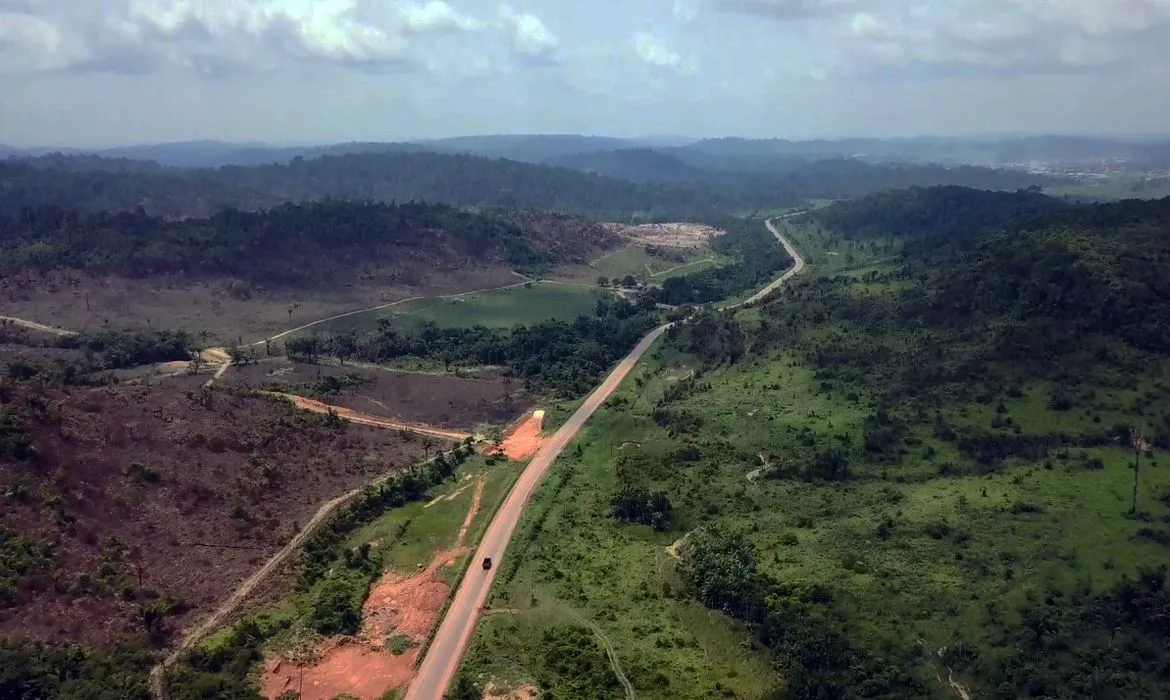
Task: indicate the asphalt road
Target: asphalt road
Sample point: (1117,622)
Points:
(441,663)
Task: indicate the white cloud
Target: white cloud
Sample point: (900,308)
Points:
(999,36)
(29,43)
(654,51)
(434,16)
(141,35)
(527,34)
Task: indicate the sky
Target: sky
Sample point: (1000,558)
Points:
(106,72)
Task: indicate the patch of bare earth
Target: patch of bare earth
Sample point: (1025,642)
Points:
(361,666)
(364,666)
(524,441)
(442,400)
(674,235)
(152,492)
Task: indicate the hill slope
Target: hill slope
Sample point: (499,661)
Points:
(910,474)
(295,244)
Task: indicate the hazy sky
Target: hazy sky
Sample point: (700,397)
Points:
(93,72)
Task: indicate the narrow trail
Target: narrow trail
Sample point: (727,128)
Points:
(614,662)
(473,511)
(679,267)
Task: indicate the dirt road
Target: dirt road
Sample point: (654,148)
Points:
(365,419)
(36,326)
(796,269)
(441,663)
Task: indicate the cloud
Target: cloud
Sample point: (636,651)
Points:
(527,34)
(29,43)
(217,37)
(434,16)
(1099,17)
(1003,37)
(654,51)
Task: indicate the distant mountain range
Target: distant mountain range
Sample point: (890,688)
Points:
(626,184)
(588,153)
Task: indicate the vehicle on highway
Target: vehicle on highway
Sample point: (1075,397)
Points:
(487,563)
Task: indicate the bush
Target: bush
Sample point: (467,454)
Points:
(635,504)
(337,605)
(39,671)
(399,644)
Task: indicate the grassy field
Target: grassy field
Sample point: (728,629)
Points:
(931,562)
(503,308)
(648,267)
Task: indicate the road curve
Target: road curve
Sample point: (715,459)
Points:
(796,269)
(442,659)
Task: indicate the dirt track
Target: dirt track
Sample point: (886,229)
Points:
(439,667)
(366,419)
(37,326)
(379,307)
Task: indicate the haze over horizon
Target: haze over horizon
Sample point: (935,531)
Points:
(92,74)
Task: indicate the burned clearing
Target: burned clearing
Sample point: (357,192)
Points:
(131,511)
(437,399)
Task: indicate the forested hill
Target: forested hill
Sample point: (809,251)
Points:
(634,185)
(940,213)
(1015,280)
(101,184)
(302,244)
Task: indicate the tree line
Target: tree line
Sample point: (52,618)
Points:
(94,183)
(293,244)
(566,355)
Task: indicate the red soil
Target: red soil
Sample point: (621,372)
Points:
(525,440)
(360,666)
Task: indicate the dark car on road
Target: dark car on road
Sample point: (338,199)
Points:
(487,563)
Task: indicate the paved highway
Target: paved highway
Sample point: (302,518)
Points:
(441,663)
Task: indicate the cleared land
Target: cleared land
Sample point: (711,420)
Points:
(143,490)
(433,399)
(228,311)
(676,235)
